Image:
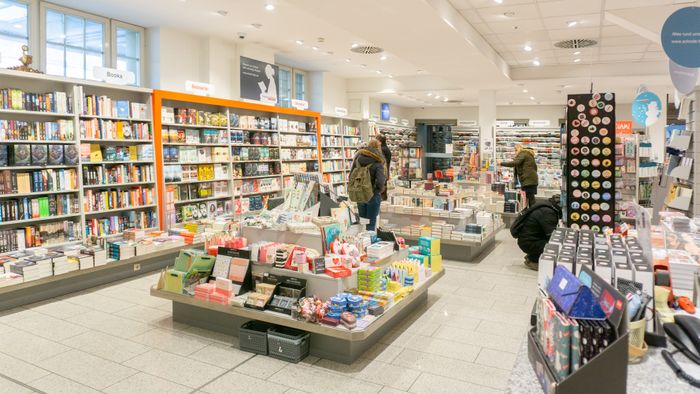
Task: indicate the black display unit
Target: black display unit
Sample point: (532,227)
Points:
(590,175)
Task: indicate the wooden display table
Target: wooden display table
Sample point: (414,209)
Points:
(333,343)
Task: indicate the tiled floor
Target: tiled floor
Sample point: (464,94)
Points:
(119,339)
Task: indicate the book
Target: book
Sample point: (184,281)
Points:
(95,153)
(55,155)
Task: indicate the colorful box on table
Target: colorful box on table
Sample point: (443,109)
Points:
(429,246)
(436,263)
(423,259)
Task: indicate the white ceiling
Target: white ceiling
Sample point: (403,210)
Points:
(451,48)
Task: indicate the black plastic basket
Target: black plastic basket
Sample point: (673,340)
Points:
(252,336)
(288,344)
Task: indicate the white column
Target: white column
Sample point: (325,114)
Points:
(487,122)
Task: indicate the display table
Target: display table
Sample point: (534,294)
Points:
(333,343)
(650,376)
(305,239)
(58,285)
(457,250)
(408,219)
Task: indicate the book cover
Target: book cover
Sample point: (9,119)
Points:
(122,108)
(71,154)
(21,155)
(95,153)
(55,156)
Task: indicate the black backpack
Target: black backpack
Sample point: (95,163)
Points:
(519,222)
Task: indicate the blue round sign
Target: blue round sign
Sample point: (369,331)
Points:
(646,109)
(680,37)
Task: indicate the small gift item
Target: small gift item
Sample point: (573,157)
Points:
(348,320)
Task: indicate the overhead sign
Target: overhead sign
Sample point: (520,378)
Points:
(540,123)
(623,127)
(300,104)
(646,109)
(259,80)
(505,123)
(683,78)
(385,112)
(340,111)
(199,88)
(680,37)
(466,123)
(114,76)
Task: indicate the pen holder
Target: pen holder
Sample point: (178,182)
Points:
(638,348)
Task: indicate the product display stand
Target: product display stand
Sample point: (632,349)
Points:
(466,251)
(332,343)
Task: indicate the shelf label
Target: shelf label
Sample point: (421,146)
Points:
(340,111)
(540,123)
(114,76)
(466,123)
(394,120)
(300,104)
(199,88)
(405,122)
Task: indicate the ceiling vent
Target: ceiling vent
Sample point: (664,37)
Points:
(576,43)
(367,49)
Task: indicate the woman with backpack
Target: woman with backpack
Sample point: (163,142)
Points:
(367,181)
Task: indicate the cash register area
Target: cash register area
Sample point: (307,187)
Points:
(119,339)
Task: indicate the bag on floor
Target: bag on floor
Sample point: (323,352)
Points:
(360,188)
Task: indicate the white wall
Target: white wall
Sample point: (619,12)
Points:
(537,112)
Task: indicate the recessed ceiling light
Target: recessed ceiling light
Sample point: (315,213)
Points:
(300,42)
(437,97)
(498,1)
(577,53)
(445,100)
(572,23)
(383,57)
(270,7)
(314,48)
(536,62)
(577,60)
(347,60)
(527,48)
(524,90)
(354,46)
(378,71)
(532,98)
(390,76)
(430,94)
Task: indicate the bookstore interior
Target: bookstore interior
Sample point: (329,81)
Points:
(246,196)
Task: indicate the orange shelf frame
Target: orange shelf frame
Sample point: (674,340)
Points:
(160,95)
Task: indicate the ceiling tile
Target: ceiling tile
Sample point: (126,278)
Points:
(626,40)
(566,34)
(461,4)
(545,54)
(536,46)
(608,50)
(482,28)
(655,55)
(653,47)
(615,31)
(619,57)
(583,21)
(622,4)
(523,36)
(496,14)
(565,8)
(471,15)
(491,3)
(525,25)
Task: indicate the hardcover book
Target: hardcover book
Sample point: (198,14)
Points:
(70,155)
(55,156)
(21,155)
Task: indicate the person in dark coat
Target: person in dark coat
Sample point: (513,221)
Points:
(387,156)
(372,154)
(525,171)
(533,227)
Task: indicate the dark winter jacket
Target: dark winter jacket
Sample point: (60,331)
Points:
(525,167)
(387,155)
(366,157)
(536,224)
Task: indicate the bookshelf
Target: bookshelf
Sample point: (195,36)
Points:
(51,188)
(254,151)
(339,140)
(546,141)
(396,137)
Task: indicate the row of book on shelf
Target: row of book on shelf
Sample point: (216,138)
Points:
(19,100)
(116,224)
(192,154)
(51,180)
(115,130)
(22,130)
(26,208)
(105,106)
(101,200)
(98,153)
(40,235)
(38,155)
(117,174)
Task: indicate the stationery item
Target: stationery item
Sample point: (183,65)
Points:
(572,297)
(562,345)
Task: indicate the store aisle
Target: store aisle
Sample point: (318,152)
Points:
(119,339)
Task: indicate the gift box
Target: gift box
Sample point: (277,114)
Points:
(429,246)
(436,263)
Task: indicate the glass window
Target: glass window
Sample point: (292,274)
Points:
(299,86)
(13,32)
(285,88)
(129,51)
(74,44)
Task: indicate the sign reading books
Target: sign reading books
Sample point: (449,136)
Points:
(300,104)
(340,111)
(114,76)
(199,88)
(259,80)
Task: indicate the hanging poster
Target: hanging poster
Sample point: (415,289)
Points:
(259,80)
(385,112)
(680,37)
(590,145)
(683,78)
(646,109)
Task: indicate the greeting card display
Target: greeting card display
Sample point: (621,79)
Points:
(234,265)
(590,144)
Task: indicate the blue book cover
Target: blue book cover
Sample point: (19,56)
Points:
(122,108)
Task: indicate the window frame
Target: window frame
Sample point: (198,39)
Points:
(305,74)
(114,24)
(43,10)
(31,9)
(291,82)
